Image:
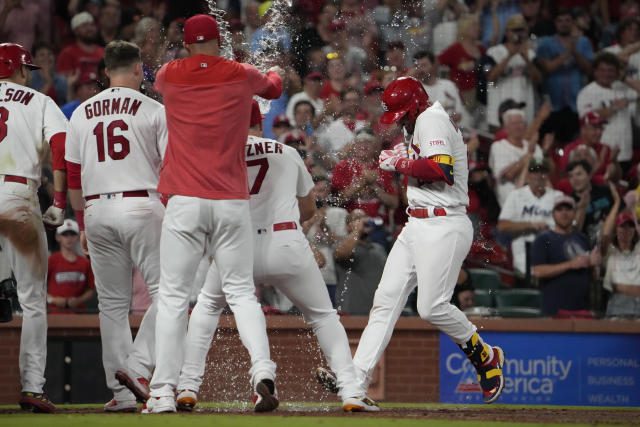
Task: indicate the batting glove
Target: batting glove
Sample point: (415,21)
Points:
(400,150)
(53,217)
(389,159)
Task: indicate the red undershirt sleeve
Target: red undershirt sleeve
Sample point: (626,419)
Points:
(57,151)
(74,181)
(426,170)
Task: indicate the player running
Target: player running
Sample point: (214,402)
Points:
(280,199)
(433,244)
(28,119)
(114,152)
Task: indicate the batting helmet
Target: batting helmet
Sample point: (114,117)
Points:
(12,57)
(404,95)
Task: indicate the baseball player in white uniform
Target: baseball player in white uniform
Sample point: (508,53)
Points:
(117,138)
(28,120)
(280,188)
(435,241)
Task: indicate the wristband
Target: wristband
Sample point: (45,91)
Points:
(79,218)
(60,199)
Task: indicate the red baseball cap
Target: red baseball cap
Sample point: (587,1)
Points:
(315,75)
(373,85)
(256,115)
(623,218)
(592,118)
(281,119)
(200,28)
(296,137)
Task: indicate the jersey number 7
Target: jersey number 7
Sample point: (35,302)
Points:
(112,140)
(262,172)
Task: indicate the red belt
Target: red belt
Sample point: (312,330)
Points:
(291,225)
(424,213)
(18,179)
(137,193)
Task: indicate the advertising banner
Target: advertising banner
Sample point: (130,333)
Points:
(550,369)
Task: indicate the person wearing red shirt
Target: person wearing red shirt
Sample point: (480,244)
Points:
(82,57)
(361,184)
(207,102)
(462,58)
(70,279)
(591,125)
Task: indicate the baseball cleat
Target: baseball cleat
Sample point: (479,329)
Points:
(138,386)
(158,405)
(265,397)
(121,406)
(360,404)
(327,379)
(36,402)
(490,376)
(187,400)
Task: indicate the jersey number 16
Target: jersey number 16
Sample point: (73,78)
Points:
(112,140)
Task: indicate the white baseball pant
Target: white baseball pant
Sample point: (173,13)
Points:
(428,254)
(284,260)
(24,243)
(123,232)
(190,224)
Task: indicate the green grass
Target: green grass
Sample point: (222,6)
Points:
(336,418)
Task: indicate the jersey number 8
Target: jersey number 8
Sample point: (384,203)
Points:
(112,140)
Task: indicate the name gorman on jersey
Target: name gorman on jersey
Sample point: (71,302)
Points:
(109,106)
(264,147)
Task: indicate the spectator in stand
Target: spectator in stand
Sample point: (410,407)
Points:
(355,58)
(342,130)
(593,202)
(606,167)
(360,184)
(46,80)
(361,31)
(565,61)
(108,23)
(462,58)
(439,89)
(24,22)
(311,88)
(281,125)
(335,82)
(627,45)
(84,88)
(510,156)
(538,25)
(622,251)
(325,229)
(149,38)
(361,263)
(83,56)
(395,58)
(266,37)
(514,75)
(632,198)
(464,293)
(561,260)
(175,36)
(70,279)
(525,213)
(614,101)
(304,115)
(372,102)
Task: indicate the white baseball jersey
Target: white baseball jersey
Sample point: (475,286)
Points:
(448,95)
(524,206)
(272,194)
(501,155)
(515,83)
(436,134)
(27,119)
(121,134)
(617,131)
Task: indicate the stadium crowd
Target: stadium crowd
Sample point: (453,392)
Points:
(544,92)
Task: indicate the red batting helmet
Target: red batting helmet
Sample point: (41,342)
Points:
(404,95)
(12,56)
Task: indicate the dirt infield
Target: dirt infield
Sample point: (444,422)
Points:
(544,415)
